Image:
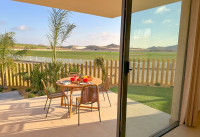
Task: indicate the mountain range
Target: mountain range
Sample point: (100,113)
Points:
(169,48)
(110,47)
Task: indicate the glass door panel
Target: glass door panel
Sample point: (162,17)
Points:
(152,53)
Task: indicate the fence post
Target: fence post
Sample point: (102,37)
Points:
(86,68)
(162,71)
(23,69)
(70,67)
(31,68)
(20,77)
(115,81)
(143,69)
(133,71)
(106,68)
(167,73)
(152,71)
(27,70)
(13,78)
(129,74)
(172,73)
(111,70)
(148,66)
(6,75)
(2,80)
(138,71)
(90,69)
(16,77)
(65,69)
(157,70)
(81,69)
(94,69)
(77,65)
(9,79)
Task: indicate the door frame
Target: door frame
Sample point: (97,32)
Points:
(124,67)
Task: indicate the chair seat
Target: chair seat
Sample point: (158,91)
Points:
(101,89)
(57,94)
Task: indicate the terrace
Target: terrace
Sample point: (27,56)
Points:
(151,92)
(26,117)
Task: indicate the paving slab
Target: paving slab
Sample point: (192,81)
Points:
(8,96)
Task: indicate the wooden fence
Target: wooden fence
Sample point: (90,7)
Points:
(144,72)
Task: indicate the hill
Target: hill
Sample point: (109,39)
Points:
(168,48)
(30,46)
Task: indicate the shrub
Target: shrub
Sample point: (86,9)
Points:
(51,90)
(13,89)
(41,93)
(1,90)
(31,95)
(1,87)
(157,84)
(100,63)
(34,92)
(35,77)
(28,89)
(52,71)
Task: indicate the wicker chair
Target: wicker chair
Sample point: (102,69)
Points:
(104,88)
(53,96)
(71,74)
(89,95)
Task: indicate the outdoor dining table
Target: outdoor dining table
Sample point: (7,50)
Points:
(72,86)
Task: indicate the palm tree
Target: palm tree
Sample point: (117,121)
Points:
(7,54)
(60,28)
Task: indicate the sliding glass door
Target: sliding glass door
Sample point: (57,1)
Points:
(152,59)
(151,69)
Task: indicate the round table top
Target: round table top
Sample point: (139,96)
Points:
(96,81)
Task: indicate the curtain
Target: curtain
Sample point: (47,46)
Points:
(191,92)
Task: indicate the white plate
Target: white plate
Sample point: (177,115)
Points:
(83,83)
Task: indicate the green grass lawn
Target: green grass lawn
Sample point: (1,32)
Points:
(91,55)
(156,97)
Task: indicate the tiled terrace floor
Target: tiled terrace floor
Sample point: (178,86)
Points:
(184,131)
(26,118)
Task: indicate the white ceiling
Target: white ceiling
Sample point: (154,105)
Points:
(105,8)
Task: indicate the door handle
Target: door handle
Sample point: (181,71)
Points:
(126,67)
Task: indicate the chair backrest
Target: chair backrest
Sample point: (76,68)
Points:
(106,84)
(45,88)
(89,94)
(71,74)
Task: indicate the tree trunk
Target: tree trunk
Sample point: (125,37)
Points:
(5,82)
(54,54)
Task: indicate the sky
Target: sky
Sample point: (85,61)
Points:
(153,27)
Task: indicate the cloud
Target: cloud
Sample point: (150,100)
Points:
(161,9)
(99,39)
(104,38)
(97,27)
(21,28)
(149,21)
(2,22)
(142,34)
(167,21)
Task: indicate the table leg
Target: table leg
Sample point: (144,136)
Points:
(70,111)
(61,103)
